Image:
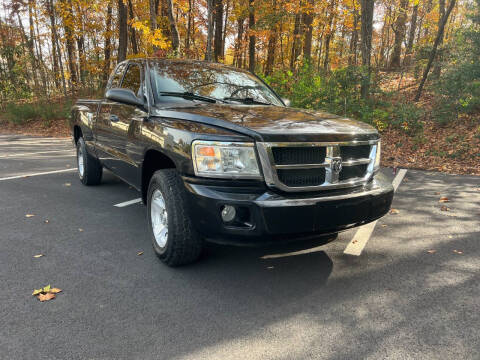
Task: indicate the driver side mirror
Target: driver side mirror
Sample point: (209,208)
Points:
(286,101)
(124,96)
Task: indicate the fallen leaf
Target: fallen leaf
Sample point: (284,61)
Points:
(46,221)
(394,211)
(458,252)
(383,225)
(38,256)
(55,290)
(67,184)
(432,251)
(45,297)
(140,253)
(36,292)
(46,289)
(354,241)
(444,208)
(443,199)
(29,215)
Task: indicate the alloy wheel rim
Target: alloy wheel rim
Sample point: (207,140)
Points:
(159,218)
(80,162)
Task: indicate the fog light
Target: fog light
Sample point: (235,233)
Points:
(228,213)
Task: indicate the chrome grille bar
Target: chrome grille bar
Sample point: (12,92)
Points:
(332,165)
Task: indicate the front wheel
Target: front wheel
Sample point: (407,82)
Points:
(174,239)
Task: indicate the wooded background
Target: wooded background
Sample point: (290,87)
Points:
(343,55)
(408,67)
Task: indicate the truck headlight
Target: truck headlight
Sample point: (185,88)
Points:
(225,159)
(376,166)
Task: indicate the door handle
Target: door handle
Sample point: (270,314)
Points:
(114,118)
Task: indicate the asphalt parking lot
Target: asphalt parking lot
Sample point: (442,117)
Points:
(413,293)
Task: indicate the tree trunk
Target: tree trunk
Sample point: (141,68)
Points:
(437,68)
(296,43)
(189,26)
(413,28)
(366,44)
(238,43)
(31,45)
(210,24)
(218,38)
(331,32)
(308,21)
(173,28)
(67,24)
(133,34)
(224,35)
(153,8)
(437,42)
(81,57)
(108,43)
(122,31)
(352,58)
(399,30)
(252,39)
(53,37)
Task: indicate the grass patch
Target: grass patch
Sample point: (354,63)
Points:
(46,111)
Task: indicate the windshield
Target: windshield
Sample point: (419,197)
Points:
(217,82)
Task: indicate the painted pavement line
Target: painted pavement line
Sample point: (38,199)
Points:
(127,203)
(36,153)
(37,174)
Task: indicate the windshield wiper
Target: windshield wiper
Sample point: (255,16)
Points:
(247,100)
(188,95)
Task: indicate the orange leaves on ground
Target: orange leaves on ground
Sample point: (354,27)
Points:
(444,199)
(46,293)
(431,251)
(444,208)
(394,211)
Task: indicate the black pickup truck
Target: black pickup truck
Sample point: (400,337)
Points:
(218,155)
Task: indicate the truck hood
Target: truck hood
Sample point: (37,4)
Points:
(272,123)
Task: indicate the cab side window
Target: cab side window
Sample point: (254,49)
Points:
(132,79)
(116,77)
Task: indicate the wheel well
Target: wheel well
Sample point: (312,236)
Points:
(154,160)
(77,133)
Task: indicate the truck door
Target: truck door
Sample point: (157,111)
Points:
(125,120)
(103,129)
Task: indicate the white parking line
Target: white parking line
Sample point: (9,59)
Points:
(130,202)
(36,153)
(37,174)
(363,234)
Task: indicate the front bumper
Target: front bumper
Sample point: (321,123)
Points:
(268,216)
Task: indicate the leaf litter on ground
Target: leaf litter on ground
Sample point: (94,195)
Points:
(46,293)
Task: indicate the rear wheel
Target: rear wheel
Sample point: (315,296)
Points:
(174,239)
(89,168)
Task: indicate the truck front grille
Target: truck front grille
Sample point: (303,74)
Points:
(301,177)
(317,166)
(299,155)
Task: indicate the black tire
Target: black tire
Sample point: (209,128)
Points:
(92,169)
(183,243)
